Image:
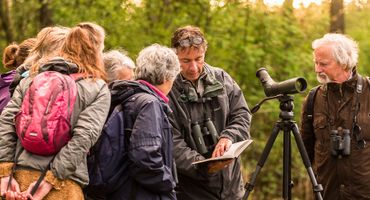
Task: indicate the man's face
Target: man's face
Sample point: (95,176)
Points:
(191,62)
(326,67)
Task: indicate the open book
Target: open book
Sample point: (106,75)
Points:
(234,151)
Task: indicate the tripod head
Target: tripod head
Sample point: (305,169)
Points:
(286,105)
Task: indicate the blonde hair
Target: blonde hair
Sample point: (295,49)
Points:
(48,45)
(84,47)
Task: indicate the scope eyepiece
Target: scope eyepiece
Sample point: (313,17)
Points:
(272,88)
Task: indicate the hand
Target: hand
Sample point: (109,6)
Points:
(214,167)
(43,189)
(222,146)
(13,189)
(11,195)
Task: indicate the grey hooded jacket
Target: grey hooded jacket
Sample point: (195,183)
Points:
(88,117)
(220,99)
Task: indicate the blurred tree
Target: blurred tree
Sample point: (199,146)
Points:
(337,16)
(243,35)
(45,13)
(5,20)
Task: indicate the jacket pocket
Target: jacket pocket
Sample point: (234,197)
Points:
(320,125)
(364,123)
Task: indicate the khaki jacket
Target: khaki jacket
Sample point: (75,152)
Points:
(347,177)
(224,103)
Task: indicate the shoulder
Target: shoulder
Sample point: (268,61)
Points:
(367,80)
(217,71)
(92,86)
(90,90)
(144,99)
(220,74)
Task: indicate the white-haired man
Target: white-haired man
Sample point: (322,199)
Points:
(335,122)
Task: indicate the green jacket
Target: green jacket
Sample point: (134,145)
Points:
(89,115)
(219,98)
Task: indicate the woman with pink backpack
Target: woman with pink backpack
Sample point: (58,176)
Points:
(59,112)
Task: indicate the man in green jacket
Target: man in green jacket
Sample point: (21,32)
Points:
(210,113)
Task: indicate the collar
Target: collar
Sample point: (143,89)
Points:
(207,83)
(152,87)
(7,78)
(348,84)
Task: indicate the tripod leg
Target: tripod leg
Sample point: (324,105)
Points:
(317,188)
(287,159)
(266,151)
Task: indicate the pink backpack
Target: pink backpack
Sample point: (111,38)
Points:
(43,123)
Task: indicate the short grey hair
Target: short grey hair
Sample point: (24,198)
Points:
(345,49)
(114,61)
(156,64)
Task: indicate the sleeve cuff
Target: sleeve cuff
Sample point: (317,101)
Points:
(6,168)
(224,135)
(54,181)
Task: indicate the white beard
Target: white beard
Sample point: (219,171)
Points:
(323,78)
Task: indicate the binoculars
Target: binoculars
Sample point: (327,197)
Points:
(206,137)
(340,142)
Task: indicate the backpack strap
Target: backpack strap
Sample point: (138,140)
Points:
(42,176)
(310,105)
(13,168)
(78,76)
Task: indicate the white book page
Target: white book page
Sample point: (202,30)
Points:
(234,151)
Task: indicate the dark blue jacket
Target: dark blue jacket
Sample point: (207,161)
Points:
(149,155)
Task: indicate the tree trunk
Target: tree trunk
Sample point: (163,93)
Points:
(336,16)
(45,14)
(5,20)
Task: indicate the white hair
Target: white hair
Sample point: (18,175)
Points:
(114,61)
(345,49)
(156,64)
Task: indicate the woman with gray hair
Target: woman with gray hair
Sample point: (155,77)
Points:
(148,167)
(118,65)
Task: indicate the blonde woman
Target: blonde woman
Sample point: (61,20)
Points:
(82,53)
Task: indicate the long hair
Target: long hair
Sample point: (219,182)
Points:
(84,47)
(48,45)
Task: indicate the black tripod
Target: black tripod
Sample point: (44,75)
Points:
(287,125)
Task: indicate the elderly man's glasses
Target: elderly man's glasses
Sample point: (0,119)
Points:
(187,42)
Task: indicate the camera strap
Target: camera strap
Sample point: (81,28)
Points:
(356,129)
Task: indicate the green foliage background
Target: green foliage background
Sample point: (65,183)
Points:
(243,36)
